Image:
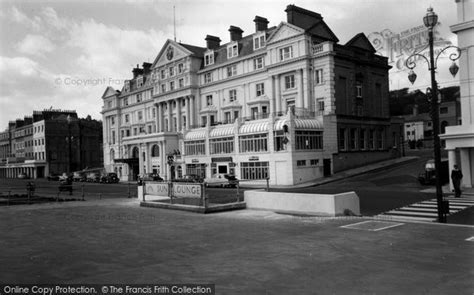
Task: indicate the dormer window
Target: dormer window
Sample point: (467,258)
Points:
(126,86)
(232,50)
(209,58)
(139,82)
(259,41)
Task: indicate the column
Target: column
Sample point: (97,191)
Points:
(300,98)
(193,111)
(278,94)
(170,115)
(178,114)
(158,124)
(188,117)
(140,159)
(272,98)
(466,168)
(452,162)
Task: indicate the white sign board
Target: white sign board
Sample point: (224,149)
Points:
(189,190)
(156,189)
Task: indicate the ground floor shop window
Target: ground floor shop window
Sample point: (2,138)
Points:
(196,169)
(254,170)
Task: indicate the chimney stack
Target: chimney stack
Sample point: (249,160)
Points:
(137,71)
(212,42)
(301,17)
(261,23)
(235,33)
(146,68)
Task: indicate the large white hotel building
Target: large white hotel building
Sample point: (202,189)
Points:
(286,102)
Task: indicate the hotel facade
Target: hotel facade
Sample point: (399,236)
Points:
(286,103)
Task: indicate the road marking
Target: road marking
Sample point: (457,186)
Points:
(426,210)
(371,225)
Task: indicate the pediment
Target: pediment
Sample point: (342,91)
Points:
(170,52)
(361,41)
(284,31)
(109,91)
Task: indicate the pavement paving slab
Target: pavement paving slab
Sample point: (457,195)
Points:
(241,252)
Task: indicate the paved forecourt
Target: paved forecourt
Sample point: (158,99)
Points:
(242,252)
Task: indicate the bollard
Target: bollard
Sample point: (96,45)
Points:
(57,197)
(238,192)
(8,202)
(268,185)
(82,191)
(129,192)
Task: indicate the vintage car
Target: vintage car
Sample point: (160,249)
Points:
(190,178)
(221,180)
(428,176)
(93,177)
(53,177)
(79,176)
(109,178)
(148,177)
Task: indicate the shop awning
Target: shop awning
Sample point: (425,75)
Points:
(196,134)
(254,127)
(300,124)
(221,131)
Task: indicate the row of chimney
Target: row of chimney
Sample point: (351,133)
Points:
(213,42)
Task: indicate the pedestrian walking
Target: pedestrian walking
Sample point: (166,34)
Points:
(456,176)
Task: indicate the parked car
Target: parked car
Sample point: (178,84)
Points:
(53,177)
(428,176)
(148,177)
(221,180)
(93,177)
(190,178)
(109,178)
(65,176)
(78,176)
(23,175)
(65,185)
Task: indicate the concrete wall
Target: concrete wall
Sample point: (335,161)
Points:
(310,204)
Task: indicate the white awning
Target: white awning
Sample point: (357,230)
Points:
(196,134)
(300,124)
(220,131)
(254,127)
(311,124)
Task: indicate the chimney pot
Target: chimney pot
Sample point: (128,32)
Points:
(212,42)
(235,33)
(261,23)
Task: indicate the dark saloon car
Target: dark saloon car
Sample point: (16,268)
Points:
(109,178)
(190,178)
(53,177)
(148,177)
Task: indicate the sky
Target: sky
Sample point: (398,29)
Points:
(63,54)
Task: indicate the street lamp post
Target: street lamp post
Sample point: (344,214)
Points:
(430,20)
(69,120)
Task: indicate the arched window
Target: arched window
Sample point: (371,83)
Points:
(155,151)
(112,155)
(135,152)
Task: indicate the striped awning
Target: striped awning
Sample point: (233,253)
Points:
(224,130)
(254,127)
(300,124)
(196,134)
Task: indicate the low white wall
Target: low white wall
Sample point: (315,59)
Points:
(149,197)
(311,204)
